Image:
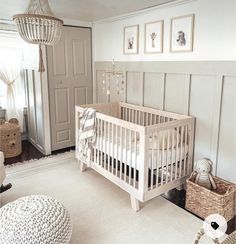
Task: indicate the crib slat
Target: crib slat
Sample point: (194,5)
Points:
(130,149)
(162,157)
(117,148)
(109,146)
(143,116)
(130,115)
(95,147)
(181,151)
(98,142)
(156,156)
(125,163)
(177,154)
(112,144)
(172,155)
(121,148)
(189,164)
(135,157)
(101,148)
(127,115)
(105,144)
(168,156)
(152,159)
(185,151)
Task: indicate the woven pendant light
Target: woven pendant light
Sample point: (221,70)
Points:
(38,25)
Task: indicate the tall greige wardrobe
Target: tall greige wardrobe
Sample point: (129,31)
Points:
(68,76)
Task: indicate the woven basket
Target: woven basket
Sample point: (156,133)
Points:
(10,139)
(204,202)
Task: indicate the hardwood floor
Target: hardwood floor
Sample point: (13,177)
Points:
(177,197)
(28,152)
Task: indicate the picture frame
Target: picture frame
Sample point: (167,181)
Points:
(153,39)
(131,39)
(182,33)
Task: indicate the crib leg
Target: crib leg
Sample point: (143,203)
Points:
(134,203)
(82,166)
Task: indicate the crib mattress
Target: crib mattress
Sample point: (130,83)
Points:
(156,157)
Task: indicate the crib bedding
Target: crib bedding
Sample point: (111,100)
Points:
(131,156)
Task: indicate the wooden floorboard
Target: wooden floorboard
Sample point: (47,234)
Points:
(28,152)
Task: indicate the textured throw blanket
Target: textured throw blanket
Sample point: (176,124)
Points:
(87,133)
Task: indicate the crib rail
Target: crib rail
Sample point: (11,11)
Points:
(145,115)
(144,151)
(111,109)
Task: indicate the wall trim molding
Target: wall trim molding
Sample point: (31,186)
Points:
(144,11)
(175,67)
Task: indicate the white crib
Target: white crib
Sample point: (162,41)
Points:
(144,151)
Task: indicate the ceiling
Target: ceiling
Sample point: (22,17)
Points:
(84,10)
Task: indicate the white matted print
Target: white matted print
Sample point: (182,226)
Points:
(131,39)
(154,37)
(182,34)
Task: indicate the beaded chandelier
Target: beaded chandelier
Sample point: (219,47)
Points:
(38,25)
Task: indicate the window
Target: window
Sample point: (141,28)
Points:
(11,73)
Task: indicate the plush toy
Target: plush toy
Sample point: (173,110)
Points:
(203,174)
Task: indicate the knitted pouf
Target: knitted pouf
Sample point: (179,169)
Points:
(35,219)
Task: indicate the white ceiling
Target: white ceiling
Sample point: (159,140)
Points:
(84,10)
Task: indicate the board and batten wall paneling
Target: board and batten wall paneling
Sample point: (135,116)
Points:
(226,166)
(205,90)
(35,109)
(154,85)
(176,96)
(101,93)
(201,106)
(134,87)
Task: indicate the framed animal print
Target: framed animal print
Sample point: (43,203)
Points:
(131,39)
(182,31)
(154,37)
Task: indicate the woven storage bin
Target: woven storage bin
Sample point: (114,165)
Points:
(10,140)
(203,202)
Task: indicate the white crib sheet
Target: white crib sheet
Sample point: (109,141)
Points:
(157,157)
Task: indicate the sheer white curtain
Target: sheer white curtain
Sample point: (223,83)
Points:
(11,74)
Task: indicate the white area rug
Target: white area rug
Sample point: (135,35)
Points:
(100,211)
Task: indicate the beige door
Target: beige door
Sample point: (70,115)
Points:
(70,82)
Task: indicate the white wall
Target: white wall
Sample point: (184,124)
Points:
(214,39)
